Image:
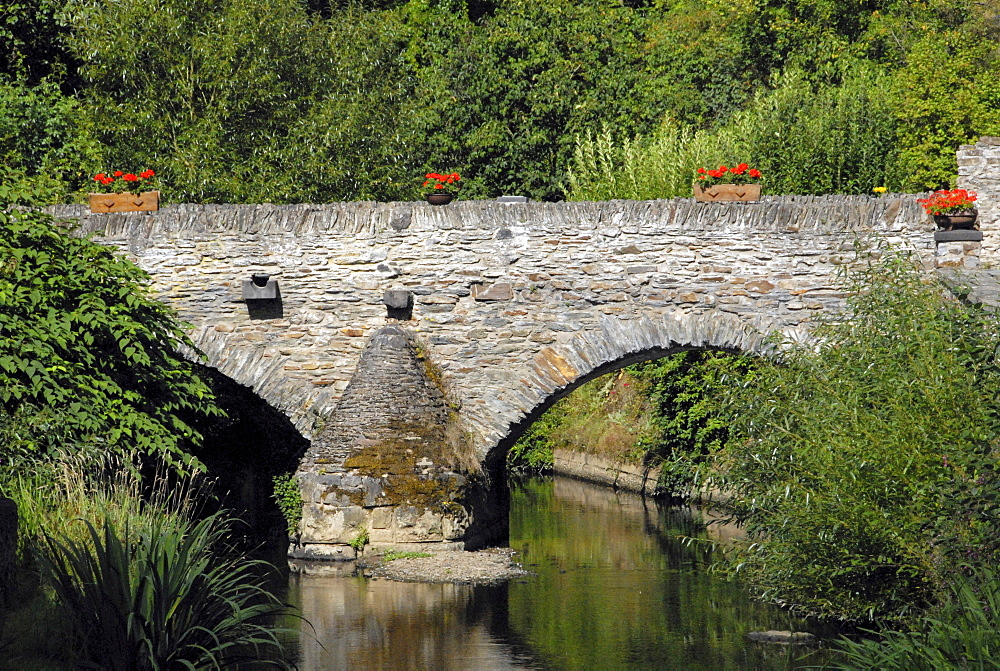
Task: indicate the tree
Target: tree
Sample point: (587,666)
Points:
(85,351)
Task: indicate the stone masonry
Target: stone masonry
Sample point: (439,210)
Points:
(979,171)
(513,305)
(385,463)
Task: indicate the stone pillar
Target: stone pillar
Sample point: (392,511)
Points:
(957,249)
(8,549)
(391,464)
(979,171)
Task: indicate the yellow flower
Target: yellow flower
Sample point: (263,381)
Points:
(879,189)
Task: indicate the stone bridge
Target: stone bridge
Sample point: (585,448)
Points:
(412,344)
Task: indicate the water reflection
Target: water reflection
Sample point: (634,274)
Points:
(381,624)
(615,587)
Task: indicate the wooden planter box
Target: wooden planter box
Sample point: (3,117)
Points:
(731,193)
(147,201)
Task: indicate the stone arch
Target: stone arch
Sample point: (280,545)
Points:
(556,371)
(260,370)
(243,451)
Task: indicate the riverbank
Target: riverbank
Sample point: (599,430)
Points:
(483,567)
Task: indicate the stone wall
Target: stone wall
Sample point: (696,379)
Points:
(514,305)
(595,468)
(979,171)
(516,302)
(389,462)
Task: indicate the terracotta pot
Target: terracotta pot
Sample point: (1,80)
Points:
(957,220)
(439,197)
(147,201)
(721,193)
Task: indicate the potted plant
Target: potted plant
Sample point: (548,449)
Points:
(724,184)
(952,209)
(129,192)
(443,187)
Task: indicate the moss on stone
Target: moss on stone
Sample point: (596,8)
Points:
(397,458)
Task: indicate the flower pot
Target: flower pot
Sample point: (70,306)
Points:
(439,197)
(722,193)
(957,221)
(147,201)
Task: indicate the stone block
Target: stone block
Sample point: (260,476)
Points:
(501,291)
(512,199)
(400,219)
(256,289)
(958,236)
(382,518)
(399,299)
(406,516)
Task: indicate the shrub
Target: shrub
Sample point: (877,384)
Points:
(84,347)
(863,467)
(289,499)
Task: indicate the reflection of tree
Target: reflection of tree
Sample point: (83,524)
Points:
(616,586)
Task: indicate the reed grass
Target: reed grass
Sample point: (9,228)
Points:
(55,497)
(169,599)
(964,634)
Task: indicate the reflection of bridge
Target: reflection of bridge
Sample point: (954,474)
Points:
(498,311)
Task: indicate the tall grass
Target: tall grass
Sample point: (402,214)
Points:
(129,577)
(963,634)
(806,136)
(168,599)
(606,167)
(53,497)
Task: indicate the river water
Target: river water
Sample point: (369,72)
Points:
(615,586)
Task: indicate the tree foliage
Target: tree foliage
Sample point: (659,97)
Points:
(310,100)
(865,470)
(85,350)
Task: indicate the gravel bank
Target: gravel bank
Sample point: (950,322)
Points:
(455,566)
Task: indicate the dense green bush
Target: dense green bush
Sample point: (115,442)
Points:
(806,136)
(690,418)
(864,467)
(45,146)
(88,359)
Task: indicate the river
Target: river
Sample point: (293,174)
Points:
(617,584)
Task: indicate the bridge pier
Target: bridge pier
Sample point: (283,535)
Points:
(391,464)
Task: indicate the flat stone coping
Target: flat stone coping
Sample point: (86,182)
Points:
(958,236)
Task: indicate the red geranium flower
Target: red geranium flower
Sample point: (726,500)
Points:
(741,173)
(438,181)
